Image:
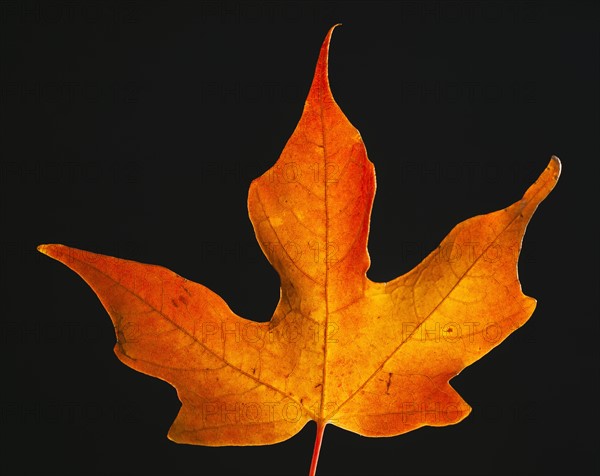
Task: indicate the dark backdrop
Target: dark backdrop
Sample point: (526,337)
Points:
(134,129)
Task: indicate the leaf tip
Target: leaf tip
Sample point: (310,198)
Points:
(545,183)
(329,34)
(321,78)
(555,166)
(49,249)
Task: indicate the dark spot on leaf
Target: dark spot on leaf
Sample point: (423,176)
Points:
(174,302)
(186,289)
(128,333)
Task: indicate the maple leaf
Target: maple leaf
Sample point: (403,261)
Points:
(373,358)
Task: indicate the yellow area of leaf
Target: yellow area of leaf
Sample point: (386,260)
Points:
(373,358)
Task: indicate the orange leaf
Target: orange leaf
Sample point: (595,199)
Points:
(373,358)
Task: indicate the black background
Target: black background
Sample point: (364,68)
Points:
(134,129)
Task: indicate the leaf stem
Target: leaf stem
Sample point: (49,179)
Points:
(317,449)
